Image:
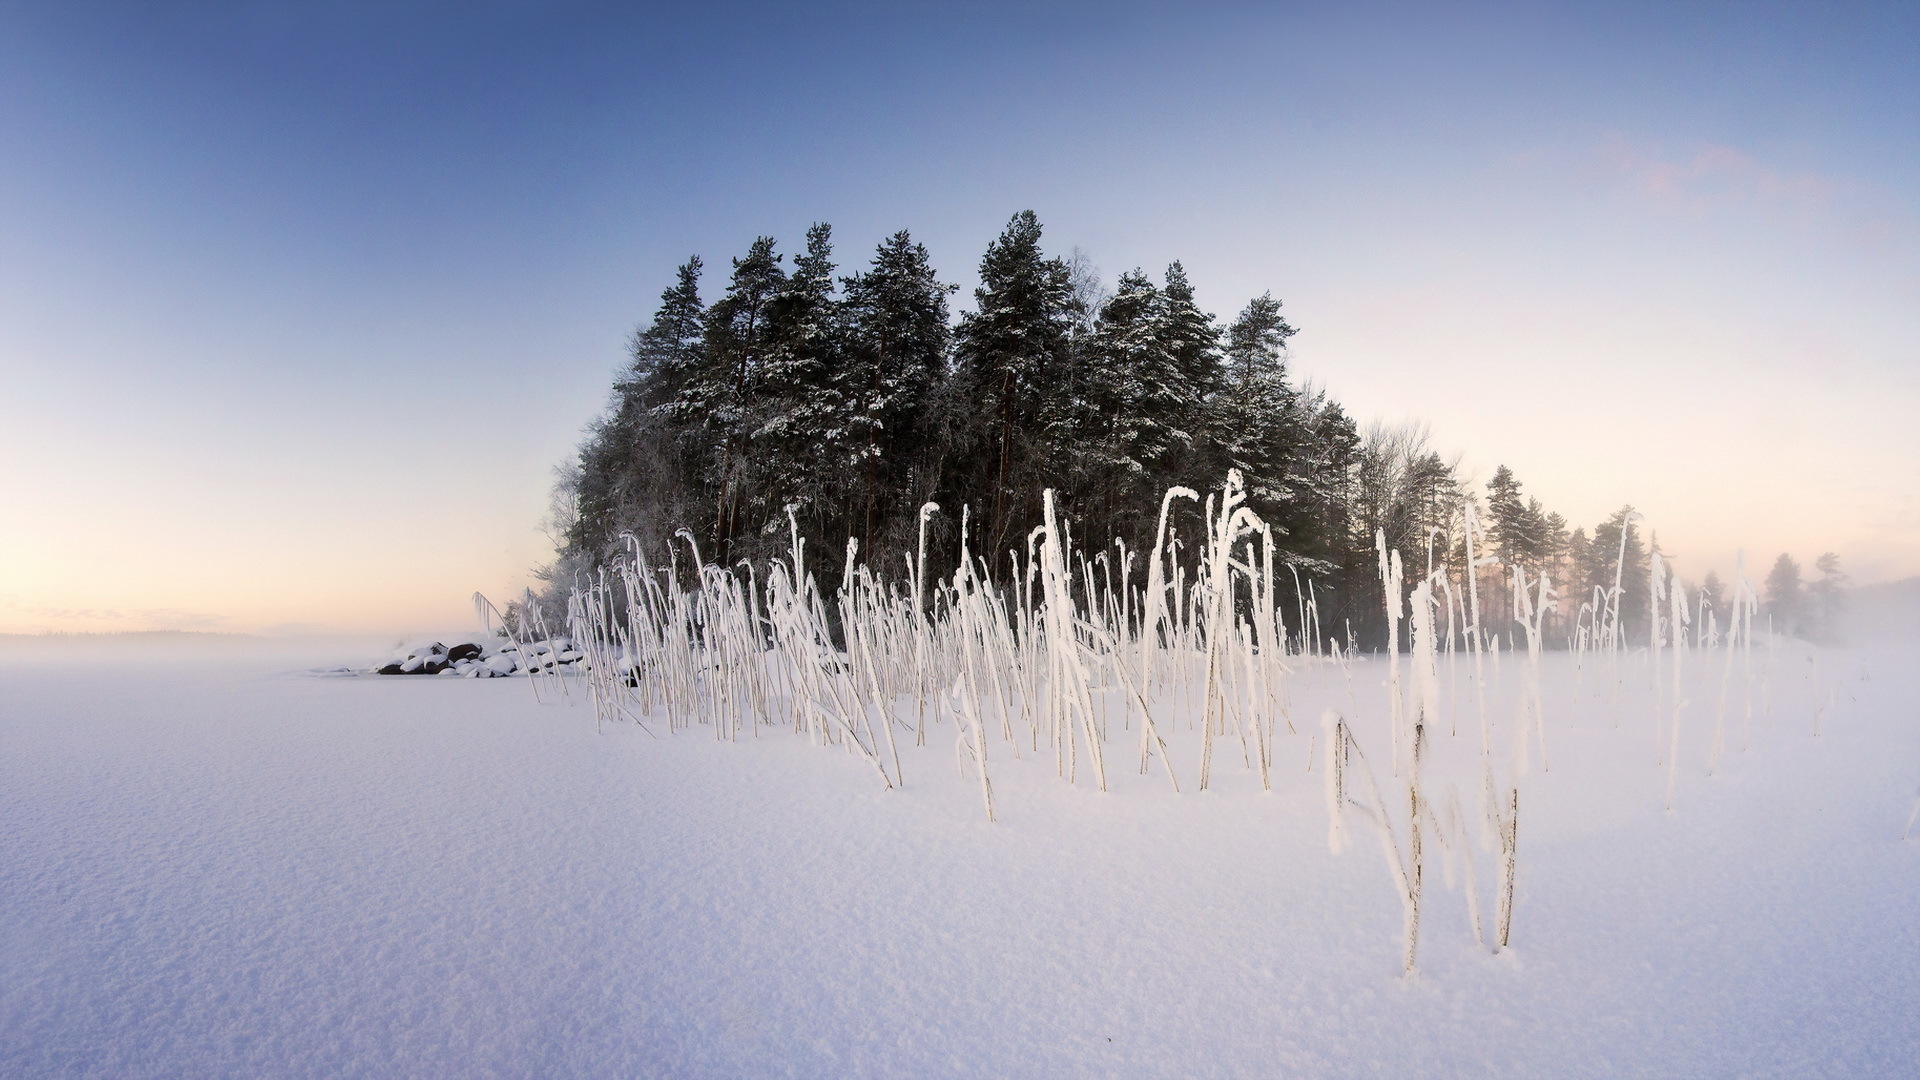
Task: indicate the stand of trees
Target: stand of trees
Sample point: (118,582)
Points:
(848,400)
(1815,610)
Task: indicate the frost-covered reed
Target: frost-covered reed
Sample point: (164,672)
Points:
(1074,653)
(1052,662)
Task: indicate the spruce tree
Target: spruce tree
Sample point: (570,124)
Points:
(723,392)
(1321,477)
(1013,352)
(1255,423)
(799,427)
(1125,400)
(1507,518)
(1786,600)
(1573,579)
(1192,343)
(1714,591)
(667,355)
(639,462)
(1552,539)
(1605,560)
(889,385)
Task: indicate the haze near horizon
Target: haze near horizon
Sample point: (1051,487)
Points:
(300,309)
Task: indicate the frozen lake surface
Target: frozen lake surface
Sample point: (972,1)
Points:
(213,864)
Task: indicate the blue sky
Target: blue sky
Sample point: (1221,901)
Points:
(300,307)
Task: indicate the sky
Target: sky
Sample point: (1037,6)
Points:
(301,306)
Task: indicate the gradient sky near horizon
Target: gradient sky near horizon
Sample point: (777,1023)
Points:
(300,306)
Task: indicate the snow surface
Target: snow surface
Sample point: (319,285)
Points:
(214,864)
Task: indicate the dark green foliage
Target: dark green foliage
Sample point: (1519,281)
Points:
(891,385)
(1015,382)
(1318,518)
(1605,564)
(724,395)
(1189,335)
(1786,602)
(1257,421)
(1714,592)
(1134,411)
(798,422)
(1507,524)
(1523,533)
(641,460)
(1553,539)
(850,402)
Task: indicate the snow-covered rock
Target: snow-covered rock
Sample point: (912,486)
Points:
(478,660)
(426,659)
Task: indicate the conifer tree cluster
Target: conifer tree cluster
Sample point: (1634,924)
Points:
(1815,610)
(849,399)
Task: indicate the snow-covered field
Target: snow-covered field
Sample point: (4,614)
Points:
(215,864)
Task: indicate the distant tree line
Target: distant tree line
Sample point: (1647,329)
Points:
(850,400)
(1815,610)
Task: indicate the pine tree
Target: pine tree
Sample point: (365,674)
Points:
(1551,540)
(1013,352)
(800,417)
(723,392)
(1573,575)
(1400,488)
(890,384)
(1255,421)
(1786,602)
(1605,560)
(639,462)
(1128,395)
(1714,592)
(1317,518)
(1507,526)
(1299,452)
(668,354)
(1191,339)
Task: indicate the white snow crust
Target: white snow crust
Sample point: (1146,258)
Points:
(213,864)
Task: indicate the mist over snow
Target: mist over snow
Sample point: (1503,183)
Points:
(850,540)
(303,305)
(218,865)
